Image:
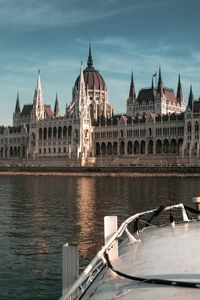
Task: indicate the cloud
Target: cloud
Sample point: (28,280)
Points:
(66,12)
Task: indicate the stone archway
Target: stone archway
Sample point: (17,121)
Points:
(158,146)
(150,147)
(130,148)
(136,147)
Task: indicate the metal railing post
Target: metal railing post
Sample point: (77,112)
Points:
(70,266)
(110,227)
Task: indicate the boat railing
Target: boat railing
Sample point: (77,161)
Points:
(93,269)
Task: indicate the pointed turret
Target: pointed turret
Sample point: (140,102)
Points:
(16,114)
(82,99)
(132,94)
(90,60)
(160,84)
(56,107)
(191,99)
(152,84)
(17,106)
(81,79)
(179,95)
(38,106)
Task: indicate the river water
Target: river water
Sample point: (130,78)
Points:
(39,214)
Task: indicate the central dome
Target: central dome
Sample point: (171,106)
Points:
(93,80)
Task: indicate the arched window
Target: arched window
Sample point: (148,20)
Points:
(69,131)
(115,148)
(173,146)
(40,133)
(64,131)
(196,126)
(54,132)
(49,133)
(142,147)
(158,146)
(166,146)
(130,147)
(59,132)
(189,127)
(98,150)
(109,148)
(136,147)
(45,134)
(150,147)
(103,148)
(121,148)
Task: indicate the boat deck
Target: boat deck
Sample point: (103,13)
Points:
(171,253)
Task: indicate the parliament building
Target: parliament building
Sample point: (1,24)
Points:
(157,127)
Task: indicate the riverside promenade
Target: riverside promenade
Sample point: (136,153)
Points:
(133,171)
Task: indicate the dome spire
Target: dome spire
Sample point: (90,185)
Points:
(90,60)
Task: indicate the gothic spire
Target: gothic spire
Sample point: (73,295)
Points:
(191,99)
(56,107)
(90,60)
(179,95)
(39,86)
(160,84)
(132,95)
(17,106)
(38,100)
(80,107)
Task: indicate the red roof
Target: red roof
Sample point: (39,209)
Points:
(48,111)
(169,94)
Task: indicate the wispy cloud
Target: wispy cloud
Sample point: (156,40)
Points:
(66,12)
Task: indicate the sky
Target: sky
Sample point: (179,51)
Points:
(53,37)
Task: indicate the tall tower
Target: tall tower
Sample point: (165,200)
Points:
(81,107)
(38,106)
(82,113)
(16,114)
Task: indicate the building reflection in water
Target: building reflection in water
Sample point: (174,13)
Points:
(86,214)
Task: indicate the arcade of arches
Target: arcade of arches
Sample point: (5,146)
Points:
(139,147)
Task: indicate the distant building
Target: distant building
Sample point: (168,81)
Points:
(156,124)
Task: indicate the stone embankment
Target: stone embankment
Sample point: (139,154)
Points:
(134,171)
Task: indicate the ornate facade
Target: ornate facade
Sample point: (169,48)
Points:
(156,124)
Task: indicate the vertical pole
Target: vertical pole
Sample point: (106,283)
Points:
(70,266)
(110,227)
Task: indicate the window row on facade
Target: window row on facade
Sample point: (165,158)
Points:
(140,132)
(57,132)
(11,152)
(52,150)
(16,140)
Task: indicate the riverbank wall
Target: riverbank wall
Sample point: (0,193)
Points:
(154,170)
